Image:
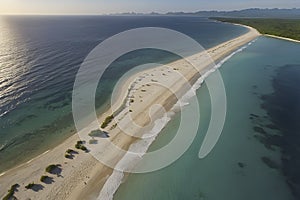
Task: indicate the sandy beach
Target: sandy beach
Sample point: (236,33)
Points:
(282,38)
(82,176)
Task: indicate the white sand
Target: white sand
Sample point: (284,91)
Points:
(282,38)
(83,176)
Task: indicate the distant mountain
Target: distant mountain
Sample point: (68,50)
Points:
(252,12)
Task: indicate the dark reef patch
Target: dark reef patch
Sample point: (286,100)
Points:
(270,163)
(241,165)
(283,108)
(259,130)
(254,115)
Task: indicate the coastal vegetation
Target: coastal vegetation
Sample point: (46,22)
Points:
(289,28)
(107,121)
(51,168)
(30,185)
(70,153)
(69,156)
(44,178)
(11,192)
(83,148)
(79,145)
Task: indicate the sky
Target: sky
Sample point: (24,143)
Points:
(143,6)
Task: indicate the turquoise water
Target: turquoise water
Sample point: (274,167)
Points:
(242,165)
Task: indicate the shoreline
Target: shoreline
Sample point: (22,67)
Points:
(84,174)
(282,38)
(267,35)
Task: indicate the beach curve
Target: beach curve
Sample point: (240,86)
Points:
(84,176)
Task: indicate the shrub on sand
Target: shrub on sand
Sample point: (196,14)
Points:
(44,178)
(11,192)
(29,186)
(50,168)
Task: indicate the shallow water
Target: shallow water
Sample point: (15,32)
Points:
(243,164)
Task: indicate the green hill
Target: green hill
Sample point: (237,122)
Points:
(289,28)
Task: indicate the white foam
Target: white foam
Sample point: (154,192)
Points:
(128,161)
(111,185)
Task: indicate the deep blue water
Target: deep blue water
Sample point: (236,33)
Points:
(39,58)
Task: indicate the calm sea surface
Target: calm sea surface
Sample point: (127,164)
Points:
(39,58)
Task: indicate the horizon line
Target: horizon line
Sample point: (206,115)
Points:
(139,13)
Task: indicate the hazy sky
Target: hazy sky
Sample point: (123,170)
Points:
(117,6)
